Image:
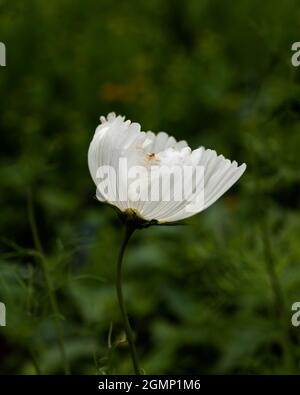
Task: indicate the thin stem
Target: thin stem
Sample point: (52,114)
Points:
(128,330)
(49,285)
(270,265)
(276,288)
(279,301)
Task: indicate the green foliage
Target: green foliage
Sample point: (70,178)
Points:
(210,297)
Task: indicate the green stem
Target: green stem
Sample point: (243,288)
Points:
(49,285)
(270,265)
(279,301)
(129,334)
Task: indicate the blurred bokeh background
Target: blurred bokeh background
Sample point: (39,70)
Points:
(214,296)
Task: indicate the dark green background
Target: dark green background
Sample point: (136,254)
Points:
(211,297)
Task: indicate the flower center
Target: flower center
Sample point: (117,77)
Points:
(151,156)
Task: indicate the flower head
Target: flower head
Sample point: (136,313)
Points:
(154,177)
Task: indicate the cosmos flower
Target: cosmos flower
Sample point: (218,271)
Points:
(118,142)
(152,179)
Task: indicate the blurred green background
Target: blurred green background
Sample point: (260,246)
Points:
(211,297)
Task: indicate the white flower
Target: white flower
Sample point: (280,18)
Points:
(117,143)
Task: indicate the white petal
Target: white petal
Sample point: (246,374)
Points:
(116,138)
(226,178)
(162,141)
